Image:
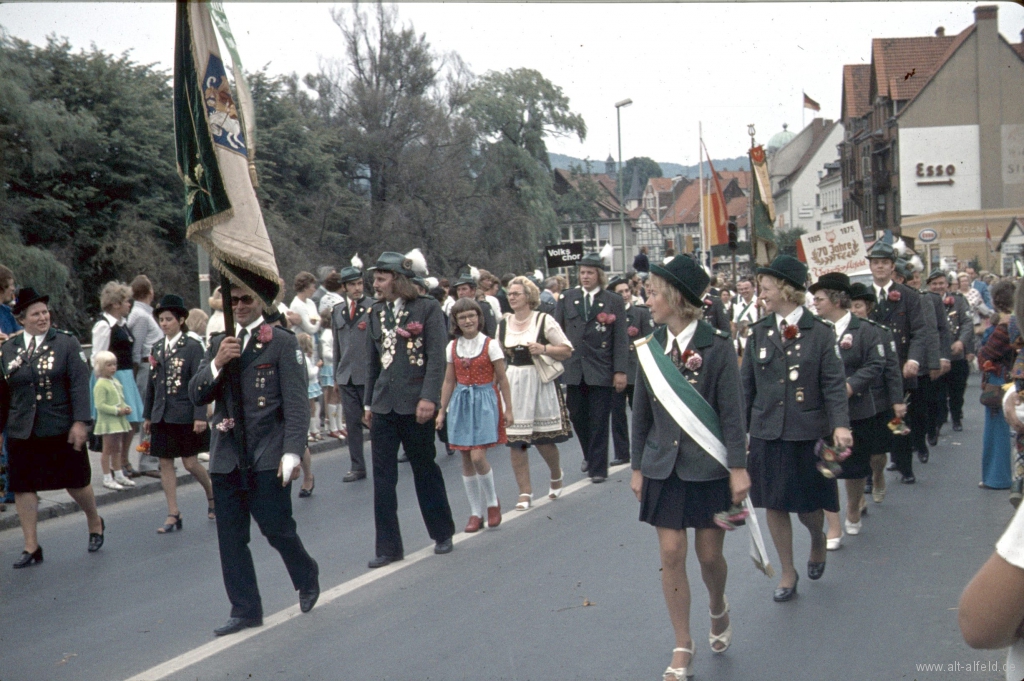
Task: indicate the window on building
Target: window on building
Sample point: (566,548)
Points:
(817,225)
(817,200)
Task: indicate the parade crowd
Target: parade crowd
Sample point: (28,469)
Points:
(768,387)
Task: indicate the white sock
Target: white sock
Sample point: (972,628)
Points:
(472,485)
(332,417)
(487,488)
(108,477)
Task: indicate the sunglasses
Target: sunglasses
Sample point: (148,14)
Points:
(245,300)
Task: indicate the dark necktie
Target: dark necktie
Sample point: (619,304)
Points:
(242,338)
(782,327)
(676,354)
(586,305)
(352,315)
(31,347)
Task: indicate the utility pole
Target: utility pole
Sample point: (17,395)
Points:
(622,217)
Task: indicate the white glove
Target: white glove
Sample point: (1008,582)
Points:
(288,464)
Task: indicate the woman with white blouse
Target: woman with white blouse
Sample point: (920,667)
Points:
(541,417)
(303,305)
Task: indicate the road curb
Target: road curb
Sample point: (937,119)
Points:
(145,486)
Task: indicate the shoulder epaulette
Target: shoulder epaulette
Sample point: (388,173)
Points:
(824,321)
(723,334)
(66,333)
(874,323)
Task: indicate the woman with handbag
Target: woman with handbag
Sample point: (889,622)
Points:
(474,388)
(689,448)
(534,343)
(996,359)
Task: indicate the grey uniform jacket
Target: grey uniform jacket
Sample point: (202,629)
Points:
(795,389)
(864,362)
(715,314)
(941,340)
(905,319)
(167,398)
(599,350)
(417,366)
(45,394)
(275,402)
(888,388)
(961,325)
(350,341)
(637,317)
(660,446)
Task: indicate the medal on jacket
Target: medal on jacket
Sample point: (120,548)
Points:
(799,394)
(794,373)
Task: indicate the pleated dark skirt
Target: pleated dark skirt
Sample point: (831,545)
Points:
(677,504)
(783,477)
(173,440)
(870,436)
(45,463)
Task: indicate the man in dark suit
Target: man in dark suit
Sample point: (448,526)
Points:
(638,325)
(961,332)
(715,314)
(406,365)
(935,406)
(465,287)
(594,321)
(252,467)
(899,309)
(349,322)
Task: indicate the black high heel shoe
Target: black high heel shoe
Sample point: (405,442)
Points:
(96,540)
(29,558)
(170,527)
(306,493)
(783,594)
(210,512)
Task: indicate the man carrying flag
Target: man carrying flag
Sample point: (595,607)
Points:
(258,433)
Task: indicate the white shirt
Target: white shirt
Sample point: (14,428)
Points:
(683,339)
(881,292)
(791,319)
(169,343)
(309,317)
(842,325)
(741,312)
(248,338)
(1011,547)
(495,305)
(38,340)
(471,348)
(589,295)
(145,330)
(101,334)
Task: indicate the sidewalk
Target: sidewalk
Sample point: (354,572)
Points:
(57,503)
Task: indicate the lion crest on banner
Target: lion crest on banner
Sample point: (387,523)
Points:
(225,127)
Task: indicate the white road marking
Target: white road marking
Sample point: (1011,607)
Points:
(219,645)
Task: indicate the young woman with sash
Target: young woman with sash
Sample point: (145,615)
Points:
(688,447)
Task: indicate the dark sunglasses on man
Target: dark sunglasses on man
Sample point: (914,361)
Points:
(245,300)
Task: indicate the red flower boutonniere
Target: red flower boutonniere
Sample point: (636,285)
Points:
(847,342)
(414,328)
(265,333)
(632,331)
(948,301)
(605,318)
(361,326)
(894,296)
(152,362)
(225,425)
(691,360)
(791,332)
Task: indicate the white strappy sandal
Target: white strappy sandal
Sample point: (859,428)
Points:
(524,504)
(725,638)
(555,493)
(680,673)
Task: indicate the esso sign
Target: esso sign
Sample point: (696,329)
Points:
(927,235)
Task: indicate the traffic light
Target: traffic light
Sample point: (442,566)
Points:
(733,235)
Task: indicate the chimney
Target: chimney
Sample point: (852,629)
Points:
(940,32)
(985,13)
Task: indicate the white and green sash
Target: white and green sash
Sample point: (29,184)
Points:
(685,405)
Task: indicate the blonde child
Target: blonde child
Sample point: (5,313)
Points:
(332,401)
(111,420)
(313,374)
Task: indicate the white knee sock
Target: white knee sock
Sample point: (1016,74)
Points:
(332,417)
(487,487)
(472,485)
(314,419)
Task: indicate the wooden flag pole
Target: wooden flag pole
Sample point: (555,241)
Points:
(233,374)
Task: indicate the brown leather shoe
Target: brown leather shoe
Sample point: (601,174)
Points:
(474,524)
(494,515)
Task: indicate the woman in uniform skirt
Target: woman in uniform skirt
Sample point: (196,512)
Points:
(795,388)
(44,403)
(863,353)
(686,471)
(174,424)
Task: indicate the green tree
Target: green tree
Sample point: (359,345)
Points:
(646,168)
(787,239)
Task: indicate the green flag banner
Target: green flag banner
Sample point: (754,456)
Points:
(222,213)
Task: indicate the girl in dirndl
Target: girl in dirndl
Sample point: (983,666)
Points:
(470,395)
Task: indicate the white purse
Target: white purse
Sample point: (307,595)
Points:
(548,368)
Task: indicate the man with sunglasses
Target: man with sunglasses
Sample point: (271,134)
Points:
(256,482)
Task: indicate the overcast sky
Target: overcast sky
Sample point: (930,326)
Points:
(723,64)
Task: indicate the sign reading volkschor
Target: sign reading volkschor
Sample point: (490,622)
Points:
(564,254)
(836,249)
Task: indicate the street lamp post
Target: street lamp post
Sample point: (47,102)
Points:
(622,217)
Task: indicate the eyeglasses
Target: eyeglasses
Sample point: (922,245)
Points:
(469,317)
(515,294)
(245,300)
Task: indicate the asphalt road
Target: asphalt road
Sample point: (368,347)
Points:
(567,590)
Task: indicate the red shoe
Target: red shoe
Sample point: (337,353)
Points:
(474,524)
(494,515)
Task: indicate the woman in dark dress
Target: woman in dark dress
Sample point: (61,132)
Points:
(44,404)
(863,353)
(795,388)
(174,424)
(688,447)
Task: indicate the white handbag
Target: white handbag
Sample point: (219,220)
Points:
(548,368)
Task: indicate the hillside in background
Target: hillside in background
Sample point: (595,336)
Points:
(667,169)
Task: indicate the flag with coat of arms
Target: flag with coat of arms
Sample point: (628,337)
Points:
(214,140)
